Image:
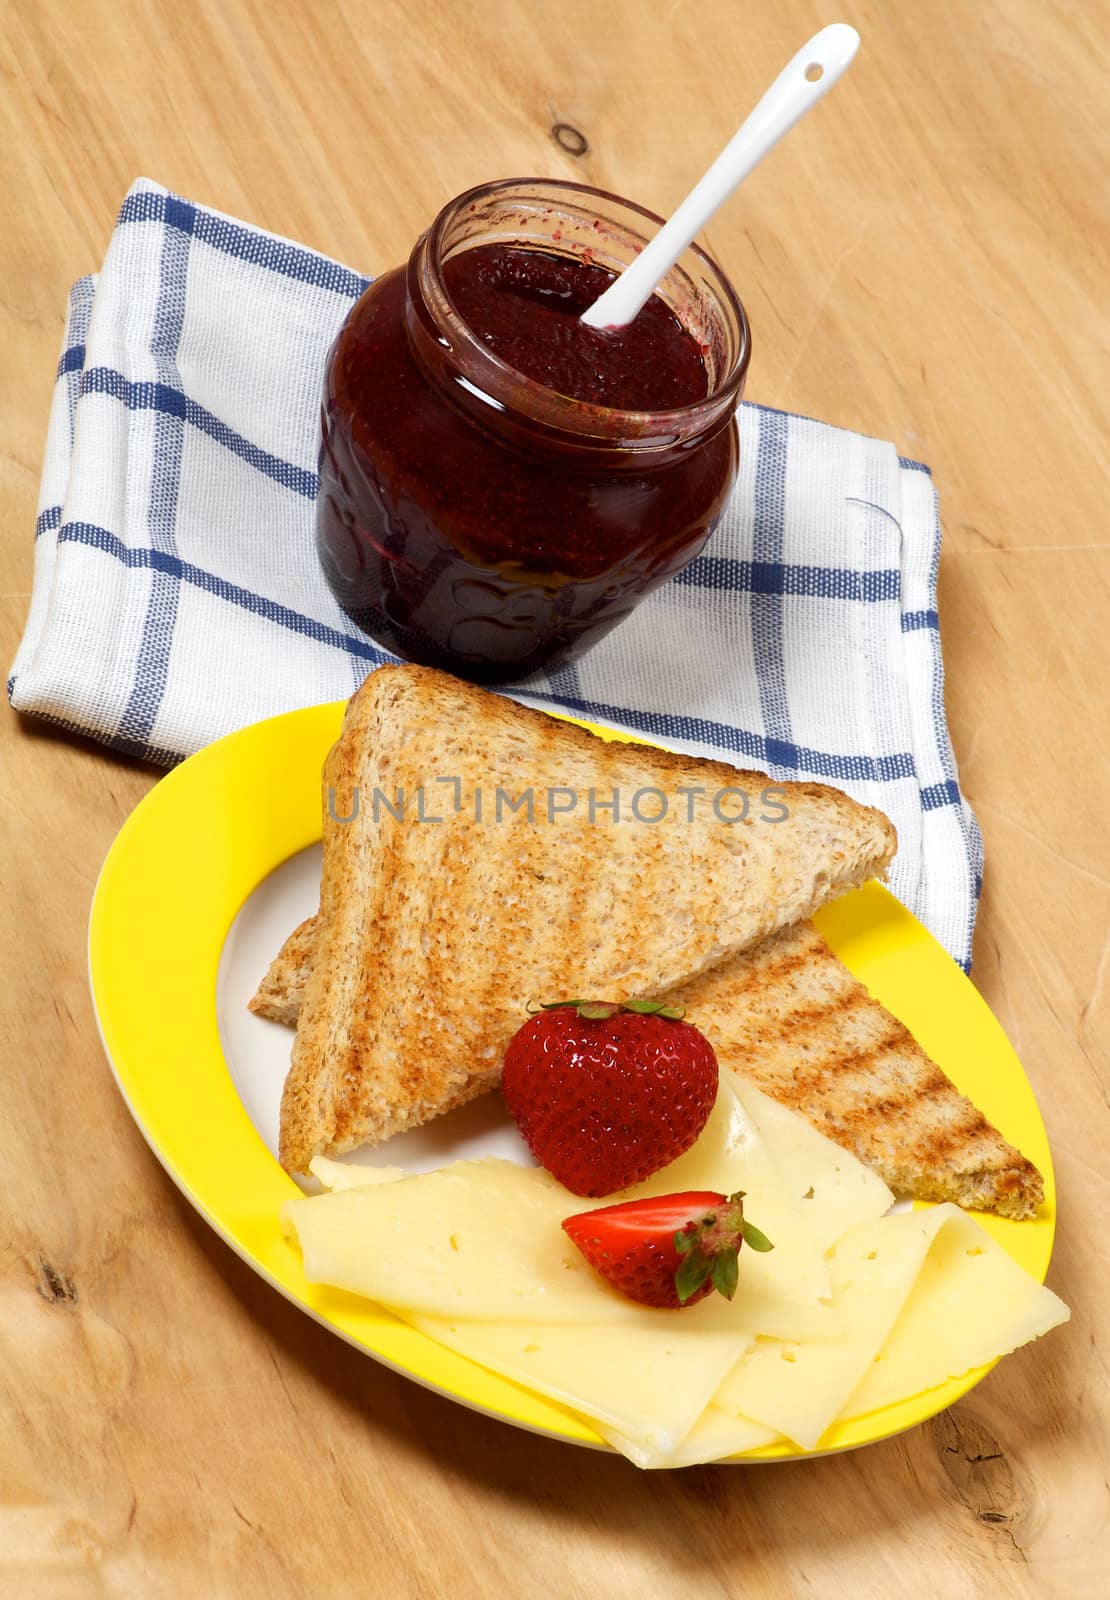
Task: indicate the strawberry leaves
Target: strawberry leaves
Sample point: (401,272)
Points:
(699,1267)
(725,1273)
(655,1008)
(637,1247)
(602,1010)
(754,1239)
(710,1250)
(692,1274)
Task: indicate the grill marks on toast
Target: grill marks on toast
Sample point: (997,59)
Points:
(432,937)
(792,1018)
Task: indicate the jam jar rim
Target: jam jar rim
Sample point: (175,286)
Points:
(549,409)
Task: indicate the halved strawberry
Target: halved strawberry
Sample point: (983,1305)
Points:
(669,1250)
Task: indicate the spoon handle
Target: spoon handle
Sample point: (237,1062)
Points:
(801,83)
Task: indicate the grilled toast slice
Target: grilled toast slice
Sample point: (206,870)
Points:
(793,1019)
(435,935)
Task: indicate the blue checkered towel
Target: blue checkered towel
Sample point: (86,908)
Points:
(177,594)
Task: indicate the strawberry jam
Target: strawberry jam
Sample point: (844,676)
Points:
(500,485)
(525,304)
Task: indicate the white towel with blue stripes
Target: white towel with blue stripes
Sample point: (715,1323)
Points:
(177,595)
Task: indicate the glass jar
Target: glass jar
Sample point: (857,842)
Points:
(472,518)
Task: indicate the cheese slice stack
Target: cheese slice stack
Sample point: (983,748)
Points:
(852,1309)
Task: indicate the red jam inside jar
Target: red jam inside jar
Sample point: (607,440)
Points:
(500,485)
(526,304)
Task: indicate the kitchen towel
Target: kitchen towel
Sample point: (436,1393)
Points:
(177,594)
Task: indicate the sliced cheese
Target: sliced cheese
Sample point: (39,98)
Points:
(970,1304)
(483,1239)
(919,1298)
(480,1239)
(714,1437)
(827,1187)
(642,1386)
(799,1388)
(731,1155)
(474,1255)
(351,1174)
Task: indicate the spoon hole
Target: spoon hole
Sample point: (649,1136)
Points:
(814,72)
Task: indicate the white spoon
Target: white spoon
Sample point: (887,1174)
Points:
(800,85)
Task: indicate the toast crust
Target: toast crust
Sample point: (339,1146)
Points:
(280,995)
(433,938)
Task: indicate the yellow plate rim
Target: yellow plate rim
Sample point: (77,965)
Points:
(154,997)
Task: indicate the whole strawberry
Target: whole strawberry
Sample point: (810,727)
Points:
(670,1250)
(605,1095)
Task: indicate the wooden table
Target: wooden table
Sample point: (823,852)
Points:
(921,261)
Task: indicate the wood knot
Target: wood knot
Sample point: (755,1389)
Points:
(977,1468)
(54,1286)
(570,139)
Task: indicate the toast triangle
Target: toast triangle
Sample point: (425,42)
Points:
(438,927)
(791,1017)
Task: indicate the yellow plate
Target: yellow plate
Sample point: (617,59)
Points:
(174,880)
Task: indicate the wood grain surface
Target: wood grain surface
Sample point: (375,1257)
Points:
(923,260)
